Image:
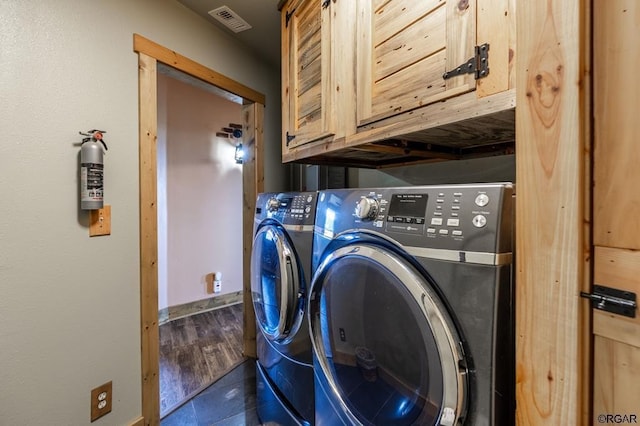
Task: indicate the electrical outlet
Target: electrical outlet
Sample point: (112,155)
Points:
(101,401)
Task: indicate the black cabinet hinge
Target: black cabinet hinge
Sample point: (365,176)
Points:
(478,65)
(325,3)
(287,17)
(290,138)
(612,300)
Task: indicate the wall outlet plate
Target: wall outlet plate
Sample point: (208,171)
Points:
(101,401)
(100,222)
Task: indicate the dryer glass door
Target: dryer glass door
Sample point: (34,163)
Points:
(275,284)
(384,341)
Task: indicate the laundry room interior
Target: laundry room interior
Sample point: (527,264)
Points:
(320,212)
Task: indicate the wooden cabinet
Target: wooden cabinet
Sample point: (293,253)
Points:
(404,49)
(314,87)
(363,80)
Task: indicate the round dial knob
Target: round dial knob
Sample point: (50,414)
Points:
(479,221)
(482,200)
(273,204)
(367,208)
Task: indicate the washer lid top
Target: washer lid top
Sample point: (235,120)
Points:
(384,340)
(276,284)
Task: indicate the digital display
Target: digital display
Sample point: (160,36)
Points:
(408,205)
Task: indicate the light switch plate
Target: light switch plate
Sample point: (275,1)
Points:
(100,222)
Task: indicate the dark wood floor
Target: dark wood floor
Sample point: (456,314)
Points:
(196,351)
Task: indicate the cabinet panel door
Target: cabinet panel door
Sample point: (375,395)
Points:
(404,48)
(616,206)
(616,387)
(306,73)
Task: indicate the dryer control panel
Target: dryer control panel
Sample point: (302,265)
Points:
(288,208)
(455,217)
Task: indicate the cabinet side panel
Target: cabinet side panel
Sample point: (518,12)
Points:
(616,106)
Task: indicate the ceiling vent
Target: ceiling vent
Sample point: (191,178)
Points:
(229,19)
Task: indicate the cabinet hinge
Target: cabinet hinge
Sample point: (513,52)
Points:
(612,300)
(287,17)
(290,138)
(478,65)
(325,4)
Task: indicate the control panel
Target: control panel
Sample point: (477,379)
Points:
(295,208)
(451,216)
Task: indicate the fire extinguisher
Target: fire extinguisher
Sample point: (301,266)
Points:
(92,169)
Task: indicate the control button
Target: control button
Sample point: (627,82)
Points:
(309,199)
(437,213)
(420,221)
(456,201)
(453,222)
(439,200)
(399,219)
(482,200)
(431,230)
(444,232)
(436,221)
(456,232)
(454,214)
(479,221)
(455,207)
(440,194)
(438,207)
(307,209)
(457,194)
(390,218)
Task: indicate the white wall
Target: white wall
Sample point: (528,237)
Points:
(203,192)
(69,305)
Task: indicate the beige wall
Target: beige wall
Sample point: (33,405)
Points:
(69,304)
(203,193)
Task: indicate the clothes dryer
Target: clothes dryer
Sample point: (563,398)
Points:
(280,273)
(411,306)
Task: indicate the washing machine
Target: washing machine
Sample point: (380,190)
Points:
(411,306)
(280,274)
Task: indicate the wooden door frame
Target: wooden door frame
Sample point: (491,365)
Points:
(149,54)
(553,212)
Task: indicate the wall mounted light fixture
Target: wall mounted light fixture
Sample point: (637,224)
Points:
(239,154)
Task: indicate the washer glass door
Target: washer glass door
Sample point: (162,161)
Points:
(384,341)
(275,284)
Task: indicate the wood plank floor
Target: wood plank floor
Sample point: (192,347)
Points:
(196,351)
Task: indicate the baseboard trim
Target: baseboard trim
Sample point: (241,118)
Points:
(172,313)
(137,422)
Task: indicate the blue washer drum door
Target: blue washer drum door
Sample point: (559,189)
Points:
(276,288)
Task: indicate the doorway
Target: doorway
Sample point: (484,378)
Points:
(150,55)
(199,206)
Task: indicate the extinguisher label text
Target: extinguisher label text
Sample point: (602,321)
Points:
(91,176)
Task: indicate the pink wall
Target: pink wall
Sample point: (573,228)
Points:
(203,210)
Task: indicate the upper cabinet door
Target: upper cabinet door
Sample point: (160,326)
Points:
(405,47)
(306,73)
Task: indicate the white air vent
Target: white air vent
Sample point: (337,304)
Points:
(229,19)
